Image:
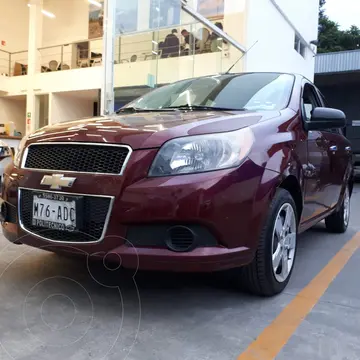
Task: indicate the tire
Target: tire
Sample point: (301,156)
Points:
(338,221)
(260,276)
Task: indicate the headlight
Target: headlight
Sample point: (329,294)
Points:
(19,152)
(194,154)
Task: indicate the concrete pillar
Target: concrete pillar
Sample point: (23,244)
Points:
(235,26)
(107,88)
(35,37)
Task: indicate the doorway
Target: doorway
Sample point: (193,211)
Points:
(42,111)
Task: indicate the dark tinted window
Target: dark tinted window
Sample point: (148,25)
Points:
(310,101)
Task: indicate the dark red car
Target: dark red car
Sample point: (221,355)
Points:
(213,173)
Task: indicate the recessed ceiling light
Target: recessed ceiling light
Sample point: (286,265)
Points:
(95,3)
(48,13)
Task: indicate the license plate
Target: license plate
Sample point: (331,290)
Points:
(55,211)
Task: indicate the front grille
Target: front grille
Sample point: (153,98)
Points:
(84,158)
(95,211)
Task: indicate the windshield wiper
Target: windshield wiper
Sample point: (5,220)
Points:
(202,107)
(139,110)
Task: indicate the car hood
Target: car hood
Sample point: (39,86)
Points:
(150,129)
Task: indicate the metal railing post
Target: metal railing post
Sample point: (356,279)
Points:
(211,26)
(9,64)
(62,57)
(107,86)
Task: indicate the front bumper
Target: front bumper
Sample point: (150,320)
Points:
(229,204)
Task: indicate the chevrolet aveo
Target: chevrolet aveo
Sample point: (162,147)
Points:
(207,174)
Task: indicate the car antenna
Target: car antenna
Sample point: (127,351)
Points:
(242,55)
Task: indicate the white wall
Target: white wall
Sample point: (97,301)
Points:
(4,84)
(16,85)
(71,23)
(304,14)
(15,111)
(14,25)
(65,107)
(69,80)
(275,48)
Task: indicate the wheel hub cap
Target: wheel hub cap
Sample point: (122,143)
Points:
(284,242)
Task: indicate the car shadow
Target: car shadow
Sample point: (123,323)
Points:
(97,278)
(154,290)
(175,303)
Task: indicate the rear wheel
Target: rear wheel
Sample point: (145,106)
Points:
(338,221)
(270,271)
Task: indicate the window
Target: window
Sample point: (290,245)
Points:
(323,99)
(302,49)
(163,13)
(326,104)
(211,8)
(297,43)
(126,16)
(299,46)
(310,101)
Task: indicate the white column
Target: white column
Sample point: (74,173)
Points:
(107,88)
(235,25)
(35,36)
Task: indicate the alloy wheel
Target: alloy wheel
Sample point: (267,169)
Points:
(284,242)
(346,207)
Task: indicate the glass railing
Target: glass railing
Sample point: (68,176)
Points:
(197,50)
(174,54)
(189,48)
(168,43)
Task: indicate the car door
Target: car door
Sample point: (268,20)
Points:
(339,154)
(317,169)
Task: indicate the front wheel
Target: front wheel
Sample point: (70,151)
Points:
(270,271)
(338,221)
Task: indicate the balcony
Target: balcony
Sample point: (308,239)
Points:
(140,59)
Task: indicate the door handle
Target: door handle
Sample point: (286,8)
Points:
(333,148)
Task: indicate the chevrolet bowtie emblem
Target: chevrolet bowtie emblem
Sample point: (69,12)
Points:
(57,181)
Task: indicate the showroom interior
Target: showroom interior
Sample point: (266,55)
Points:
(58,57)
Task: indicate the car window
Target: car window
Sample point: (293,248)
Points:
(252,91)
(313,98)
(323,99)
(310,101)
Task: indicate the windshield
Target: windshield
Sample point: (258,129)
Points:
(255,91)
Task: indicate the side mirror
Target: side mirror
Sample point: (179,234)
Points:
(326,118)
